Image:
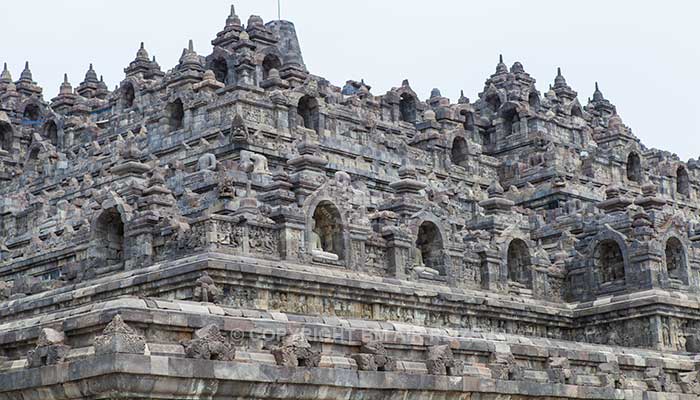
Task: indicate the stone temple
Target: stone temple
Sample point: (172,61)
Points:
(239,228)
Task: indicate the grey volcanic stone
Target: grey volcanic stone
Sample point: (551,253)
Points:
(268,233)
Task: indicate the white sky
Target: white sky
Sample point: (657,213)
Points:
(643,53)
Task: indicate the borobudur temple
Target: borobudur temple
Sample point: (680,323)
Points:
(239,228)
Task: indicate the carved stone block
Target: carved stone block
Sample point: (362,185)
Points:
(118,337)
(441,361)
(365,362)
(381,357)
(688,382)
(503,366)
(654,377)
(559,370)
(209,344)
(609,375)
(374,357)
(50,349)
(295,351)
(206,290)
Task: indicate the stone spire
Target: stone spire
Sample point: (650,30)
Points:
(26,84)
(560,81)
(232,21)
(102,89)
(143,65)
(501,67)
(257,29)
(601,104)
(26,75)
(229,35)
(66,99)
(519,74)
(597,94)
(91,75)
(190,60)
(66,87)
(90,85)
(142,54)
(5,76)
(462,98)
(561,88)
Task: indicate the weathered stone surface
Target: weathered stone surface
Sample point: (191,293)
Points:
(294,351)
(441,361)
(689,382)
(555,253)
(50,349)
(209,344)
(118,337)
(610,376)
(559,370)
(365,362)
(373,356)
(503,366)
(206,290)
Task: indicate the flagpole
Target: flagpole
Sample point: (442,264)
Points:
(279,10)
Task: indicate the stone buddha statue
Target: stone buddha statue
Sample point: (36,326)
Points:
(419,264)
(317,248)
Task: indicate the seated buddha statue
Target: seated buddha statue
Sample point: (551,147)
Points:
(317,248)
(419,264)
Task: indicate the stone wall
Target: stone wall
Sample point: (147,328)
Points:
(238,185)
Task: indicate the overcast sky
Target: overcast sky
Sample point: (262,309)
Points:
(643,53)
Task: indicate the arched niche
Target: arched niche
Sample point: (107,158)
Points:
(270,62)
(108,238)
(31,112)
(459,152)
(407,108)
(220,69)
(308,110)
(128,95)
(533,100)
(50,132)
(326,232)
(675,259)
(511,121)
(6,136)
(609,262)
(634,167)
(176,115)
(519,263)
(430,249)
(682,181)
